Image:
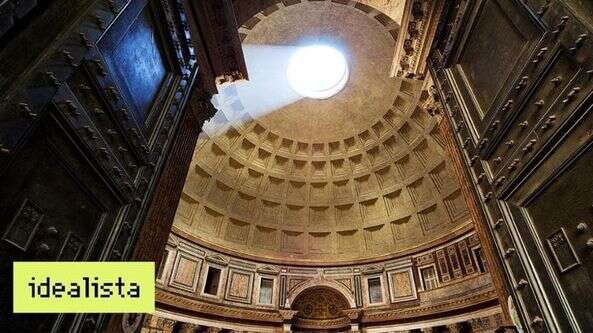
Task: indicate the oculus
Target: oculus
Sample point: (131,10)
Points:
(317,71)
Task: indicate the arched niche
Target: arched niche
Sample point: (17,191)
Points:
(320,308)
(315,283)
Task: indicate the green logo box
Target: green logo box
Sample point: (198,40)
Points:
(83,287)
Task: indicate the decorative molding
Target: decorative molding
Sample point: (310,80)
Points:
(267,269)
(373,269)
(391,27)
(202,307)
(482,298)
(216,20)
(417,31)
(311,283)
(381,316)
(287,315)
(217,259)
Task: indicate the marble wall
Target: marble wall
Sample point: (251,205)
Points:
(383,291)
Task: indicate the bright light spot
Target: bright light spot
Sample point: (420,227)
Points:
(317,71)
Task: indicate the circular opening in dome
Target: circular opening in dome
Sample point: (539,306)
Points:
(317,71)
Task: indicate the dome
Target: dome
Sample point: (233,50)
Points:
(360,175)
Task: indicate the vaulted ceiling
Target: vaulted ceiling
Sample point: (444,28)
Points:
(362,175)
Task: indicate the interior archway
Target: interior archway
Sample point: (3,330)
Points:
(320,308)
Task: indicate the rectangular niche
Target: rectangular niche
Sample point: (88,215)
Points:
(266,291)
(428,277)
(163,263)
(184,274)
(375,290)
(239,286)
(479,259)
(402,285)
(212,282)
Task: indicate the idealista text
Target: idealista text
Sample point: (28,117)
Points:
(87,288)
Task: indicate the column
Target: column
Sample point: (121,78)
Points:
(154,233)
(354,315)
(287,316)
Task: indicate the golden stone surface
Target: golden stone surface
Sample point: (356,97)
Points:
(359,176)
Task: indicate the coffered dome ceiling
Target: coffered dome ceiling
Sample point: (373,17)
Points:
(362,175)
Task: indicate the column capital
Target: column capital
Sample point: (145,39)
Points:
(187,327)
(287,315)
(155,322)
(454,328)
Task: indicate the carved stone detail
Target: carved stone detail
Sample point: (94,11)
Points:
(415,37)
(24,225)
